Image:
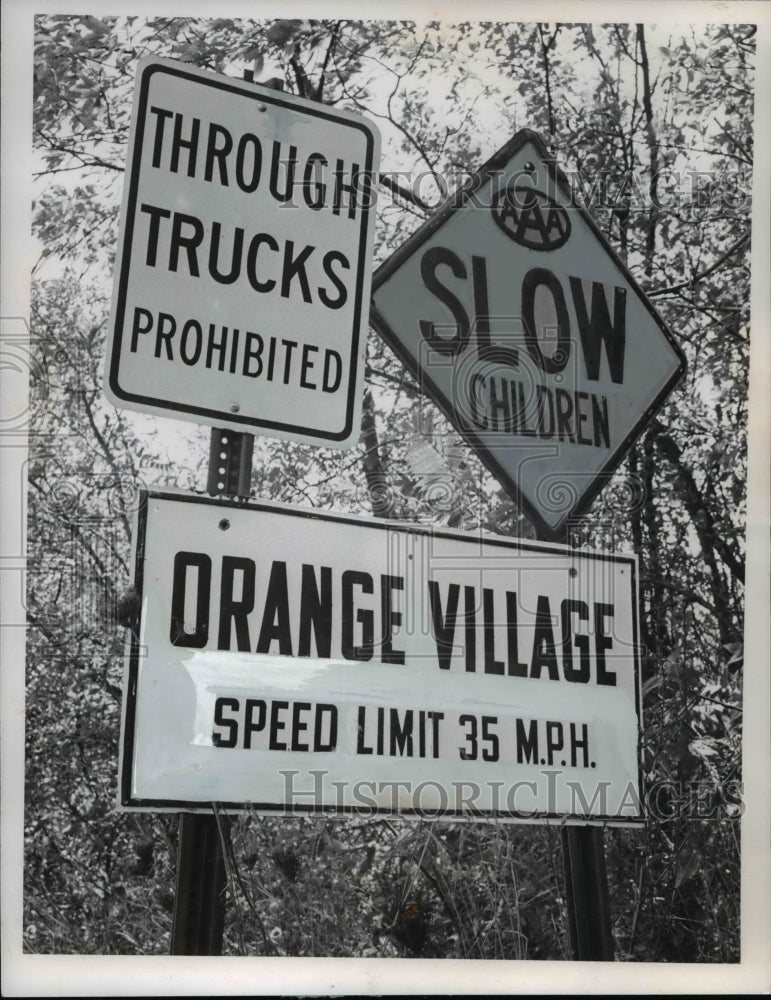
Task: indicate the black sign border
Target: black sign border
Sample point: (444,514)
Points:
(127,742)
(413,243)
(262,96)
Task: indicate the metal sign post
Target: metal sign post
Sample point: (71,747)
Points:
(199,900)
(588,898)
(586,890)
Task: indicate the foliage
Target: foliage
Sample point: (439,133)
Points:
(656,131)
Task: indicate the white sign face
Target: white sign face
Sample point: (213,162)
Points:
(294,660)
(243,271)
(529,333)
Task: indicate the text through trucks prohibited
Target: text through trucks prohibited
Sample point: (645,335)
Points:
(293,659)
(243,270)
(512,310)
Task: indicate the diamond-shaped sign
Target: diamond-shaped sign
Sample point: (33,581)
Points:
(512,310)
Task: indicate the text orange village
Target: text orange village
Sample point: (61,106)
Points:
(355,615)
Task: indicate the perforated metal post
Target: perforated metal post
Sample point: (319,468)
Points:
(199,902)
(230,463)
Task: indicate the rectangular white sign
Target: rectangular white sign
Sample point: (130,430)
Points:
(292,659)
(241,293)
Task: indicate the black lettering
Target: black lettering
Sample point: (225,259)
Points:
(251,262)
(248,182)
(527,743)
(318,744)
(156,214)
(476,399)
(294,267)
(235,257)
(277,725)
(191,145)
(233,349)
(492,666)
(160,124)
(436,718)
(603,641)
(401,733)
(305,365)
(167,327)
(481,303)
(232,611)
(252,353)
(290,346)
(545,408)
(275,163)
(194,327)
(275,619)
(554,740)
(597,329)
(220,346)
(555,362)
(579,674)
(314,187)
(582,418)
(429,262)
(575,743)
(500,412)
(389,618)
(330,258)
(489,737)
(250,725)
(543,642)
(299,727)
(231,724)
(600,420)
(190,243)
(331,379)
(351,189)
(137,327)
(514,667)
(360,728)
(471,737)
(315,611)
(354,578)
(444,625)
(218,153)
(470,620)
(564,409)
(183,561)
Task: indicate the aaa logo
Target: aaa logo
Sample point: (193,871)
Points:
(531,218)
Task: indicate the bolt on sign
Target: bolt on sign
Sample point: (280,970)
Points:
(288,659)
(531,335)
(241,289)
